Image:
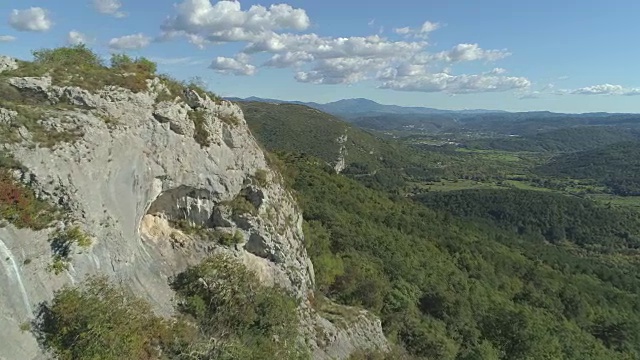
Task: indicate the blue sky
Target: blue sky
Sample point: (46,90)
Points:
(568,56)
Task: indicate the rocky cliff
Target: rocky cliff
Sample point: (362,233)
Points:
(127,168)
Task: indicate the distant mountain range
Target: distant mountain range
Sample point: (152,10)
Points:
(371,115)
(362,107)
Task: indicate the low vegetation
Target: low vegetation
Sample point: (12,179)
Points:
(19,204)
(218,236)
(224,313)
(240,205)
(98,320)
(80,66)
(201,135)
(62,242)
(261,178)
(228,303)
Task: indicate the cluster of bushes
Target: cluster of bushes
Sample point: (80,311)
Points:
(224,313)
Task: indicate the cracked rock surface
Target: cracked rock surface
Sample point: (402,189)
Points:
(126,183)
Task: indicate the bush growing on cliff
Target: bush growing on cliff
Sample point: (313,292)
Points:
(249,320)
(226,313)
(19,204)
(100,321)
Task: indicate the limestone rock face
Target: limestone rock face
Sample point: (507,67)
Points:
(7,63)
(127,180)
(7,116)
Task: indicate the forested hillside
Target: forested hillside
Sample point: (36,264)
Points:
(450,287)
(616,166)
(499,273)
(562,140)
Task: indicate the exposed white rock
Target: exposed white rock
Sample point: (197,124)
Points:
(177,115)
(7,63)
(35,84)
(341,163)
(7,116)
(124,185)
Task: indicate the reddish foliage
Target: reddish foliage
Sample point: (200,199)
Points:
(16,202)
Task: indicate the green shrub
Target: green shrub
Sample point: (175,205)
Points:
(100,321)
(261,177)
(249,320)
(229,239)
(61,244)
(201,134)
(229,119)
(240,205)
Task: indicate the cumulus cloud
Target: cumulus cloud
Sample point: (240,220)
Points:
(605,89)
(496,71)
(341,70)
(236,66)
(7,38)
(109,7)
(279,32)
(76,38)
(289,59)
(225,21)
(470,52)
(130,42)
(32,19)
(456,84)
(421,32)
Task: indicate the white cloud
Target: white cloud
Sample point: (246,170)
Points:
(32,19)
(421,32)
(470,52)
(279,32)
(130,42)
(7,38)
(236,66)
(605,89)
(289,59)
(326,47)
(109,7)
(496,71)
(456,84)
(226,21)
(76,38)
(402,31)
(341,70)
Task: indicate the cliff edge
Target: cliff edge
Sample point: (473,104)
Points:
(132,167)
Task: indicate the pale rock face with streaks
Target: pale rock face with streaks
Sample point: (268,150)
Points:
(125,180)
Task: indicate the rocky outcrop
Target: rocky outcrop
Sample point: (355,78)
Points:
(7,63)
(341,163)
(125,181)
(7,116)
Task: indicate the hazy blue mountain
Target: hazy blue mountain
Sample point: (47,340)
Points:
(360,107)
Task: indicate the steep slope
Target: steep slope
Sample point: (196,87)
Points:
(126,165)
(299,128)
